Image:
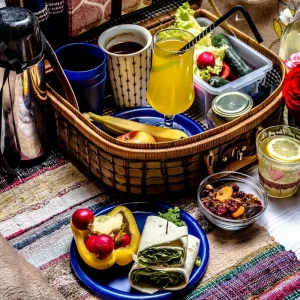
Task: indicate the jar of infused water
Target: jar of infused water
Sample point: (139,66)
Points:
(278,152)
(290,39)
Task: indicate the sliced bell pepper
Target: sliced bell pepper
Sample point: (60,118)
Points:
(122,256)
(232,76)
(225,70)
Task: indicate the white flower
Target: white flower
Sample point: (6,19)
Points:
(286,17)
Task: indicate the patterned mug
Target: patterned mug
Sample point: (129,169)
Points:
(128,72)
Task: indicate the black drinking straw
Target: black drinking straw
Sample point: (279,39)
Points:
(236,8)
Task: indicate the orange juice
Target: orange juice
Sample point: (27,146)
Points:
(170,88)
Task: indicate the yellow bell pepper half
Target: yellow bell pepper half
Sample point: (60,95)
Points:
(121,256)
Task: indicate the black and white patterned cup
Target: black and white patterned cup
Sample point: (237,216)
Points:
(128,73)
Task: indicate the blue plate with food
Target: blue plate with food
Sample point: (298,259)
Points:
(148,115)
(138,251)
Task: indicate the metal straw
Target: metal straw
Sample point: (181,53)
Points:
(240,8)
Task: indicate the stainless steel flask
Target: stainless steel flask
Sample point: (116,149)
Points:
(23,97)
(24,110)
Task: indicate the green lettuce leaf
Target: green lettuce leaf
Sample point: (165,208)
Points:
(157,277)
(160,256)
(198,261)
(201,73)
(184,19)
(172,215)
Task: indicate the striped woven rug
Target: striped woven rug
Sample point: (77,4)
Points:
(34,216)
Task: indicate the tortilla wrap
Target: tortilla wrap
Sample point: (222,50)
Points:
(145,279)
(162,243)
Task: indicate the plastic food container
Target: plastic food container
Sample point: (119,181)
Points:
(248,84)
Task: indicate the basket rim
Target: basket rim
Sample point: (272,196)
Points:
(157,154)
(169,149)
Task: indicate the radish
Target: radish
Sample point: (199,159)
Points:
(81,218)
(101,245)
(123,241)
(206,59)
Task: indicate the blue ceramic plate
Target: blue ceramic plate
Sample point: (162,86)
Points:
(113,282)
(149,116)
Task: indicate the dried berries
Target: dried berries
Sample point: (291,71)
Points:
(230,203)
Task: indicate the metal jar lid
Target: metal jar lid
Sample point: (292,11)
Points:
(231,105)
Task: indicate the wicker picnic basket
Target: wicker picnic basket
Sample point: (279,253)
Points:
(171,166)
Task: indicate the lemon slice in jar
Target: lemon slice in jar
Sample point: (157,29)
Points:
(285,149)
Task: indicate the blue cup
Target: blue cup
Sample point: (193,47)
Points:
(81,61)
(89,82)
(91,99)
(85,67)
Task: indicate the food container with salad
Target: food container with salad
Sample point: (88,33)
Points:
(243,68)
(222,62)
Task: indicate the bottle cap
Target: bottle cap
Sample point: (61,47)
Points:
(20,36)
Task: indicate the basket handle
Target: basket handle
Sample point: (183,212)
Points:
(240,162)
(54,63)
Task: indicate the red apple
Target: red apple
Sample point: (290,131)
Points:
(137,137)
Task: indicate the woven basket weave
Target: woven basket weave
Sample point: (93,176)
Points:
(171,166)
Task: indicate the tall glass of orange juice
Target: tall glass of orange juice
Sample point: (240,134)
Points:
(170,88)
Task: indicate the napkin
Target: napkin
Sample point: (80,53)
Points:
(19,280)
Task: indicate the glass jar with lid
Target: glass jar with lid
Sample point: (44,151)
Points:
(227,107)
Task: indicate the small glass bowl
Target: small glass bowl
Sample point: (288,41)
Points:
(246,183)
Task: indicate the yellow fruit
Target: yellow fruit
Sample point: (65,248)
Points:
(238,212)
(137,137)
(122,126)
(284,148)
(224,193)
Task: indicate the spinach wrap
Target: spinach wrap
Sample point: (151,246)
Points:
(151,279)
(162,243)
